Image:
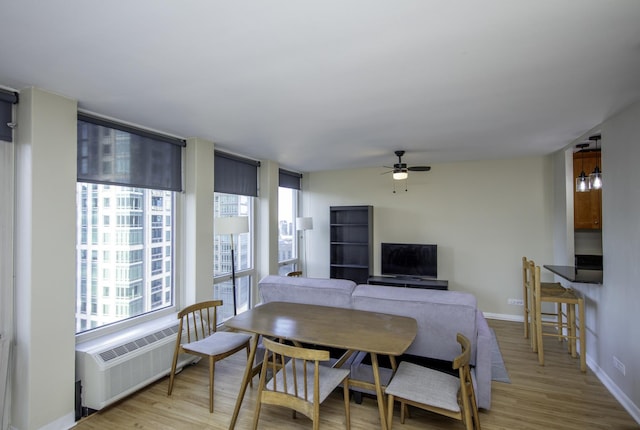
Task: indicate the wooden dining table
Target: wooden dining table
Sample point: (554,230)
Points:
(345,329)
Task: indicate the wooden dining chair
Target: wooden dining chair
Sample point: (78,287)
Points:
(436,391)
(297,273)
(528,302)
(572,329)
(198,322)
(298,381)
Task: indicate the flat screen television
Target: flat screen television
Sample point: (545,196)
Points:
(408,259)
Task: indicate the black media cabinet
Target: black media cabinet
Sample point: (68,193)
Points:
(409,282)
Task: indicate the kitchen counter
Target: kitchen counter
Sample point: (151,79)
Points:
(580,275)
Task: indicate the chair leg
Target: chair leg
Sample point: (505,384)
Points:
(263,379)
(256,415)
(212,369)
(390,411)
(532,329)
(559,318)
(525,300)
(583,336)
(571,329)
(173,372)
(539,344)
(316,414)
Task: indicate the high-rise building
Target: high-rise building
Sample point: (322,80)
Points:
(124,253)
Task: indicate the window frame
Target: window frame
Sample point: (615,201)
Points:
(293,263)
(174,223)
(247,273)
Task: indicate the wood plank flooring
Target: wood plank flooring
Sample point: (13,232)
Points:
(556,396)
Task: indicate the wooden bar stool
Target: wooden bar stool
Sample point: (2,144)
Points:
(528,303)
(570,299)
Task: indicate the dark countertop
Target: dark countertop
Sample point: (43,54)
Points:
(581,275)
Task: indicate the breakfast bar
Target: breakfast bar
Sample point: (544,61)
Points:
(571,274)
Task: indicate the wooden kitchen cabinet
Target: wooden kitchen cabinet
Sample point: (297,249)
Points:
(587,206)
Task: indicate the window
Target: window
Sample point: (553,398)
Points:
(288,193)
(287,243)
(126,187)
(235,187)
(232,205)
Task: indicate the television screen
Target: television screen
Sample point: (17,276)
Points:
(406,259)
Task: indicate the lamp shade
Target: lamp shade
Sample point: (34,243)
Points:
(400,175)
(582,183)
(595,179)
(304,223)
(231,225)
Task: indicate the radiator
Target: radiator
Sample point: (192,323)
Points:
(114,366)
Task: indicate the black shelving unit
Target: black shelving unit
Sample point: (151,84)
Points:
(351,231)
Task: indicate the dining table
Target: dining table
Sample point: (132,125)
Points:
(345,329)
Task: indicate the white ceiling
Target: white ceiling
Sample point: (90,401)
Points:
(332,84)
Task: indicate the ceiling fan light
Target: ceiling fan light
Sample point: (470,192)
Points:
(400,175)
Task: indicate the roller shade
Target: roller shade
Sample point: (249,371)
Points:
(7,99)
(114,153)
(289,179)
(235,175)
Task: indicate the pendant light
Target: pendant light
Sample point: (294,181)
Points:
(582,181)
(595,178)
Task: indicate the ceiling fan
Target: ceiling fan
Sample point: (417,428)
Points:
(401,171)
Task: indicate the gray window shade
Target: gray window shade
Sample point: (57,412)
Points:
(7,98)
(118,154)
(235,175)
(289,179)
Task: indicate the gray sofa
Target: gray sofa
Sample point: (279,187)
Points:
(439,314)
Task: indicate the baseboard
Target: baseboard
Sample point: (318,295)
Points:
(503,317)
(620,396)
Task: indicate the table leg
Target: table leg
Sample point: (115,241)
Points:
(248,374)
(379,393)
(344,358)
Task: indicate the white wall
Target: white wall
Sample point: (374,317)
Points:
(6,273)
(484,216)
(43,375)
(616,303)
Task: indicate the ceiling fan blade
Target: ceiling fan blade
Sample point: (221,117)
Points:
(419,168)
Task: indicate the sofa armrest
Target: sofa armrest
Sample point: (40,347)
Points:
(483,362)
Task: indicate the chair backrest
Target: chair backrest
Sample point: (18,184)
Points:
(536,289)
(525,273)
(467,394)
(296,273)
(199,320)
(292,388)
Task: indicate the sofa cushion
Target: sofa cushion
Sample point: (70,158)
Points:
(440,316)
(313,291)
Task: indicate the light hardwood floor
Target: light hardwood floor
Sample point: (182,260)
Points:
(556,396)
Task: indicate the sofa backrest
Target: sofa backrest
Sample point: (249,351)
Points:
(440,316)
(313,291)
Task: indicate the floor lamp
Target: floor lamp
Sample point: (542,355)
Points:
(232,225)
(303,224)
